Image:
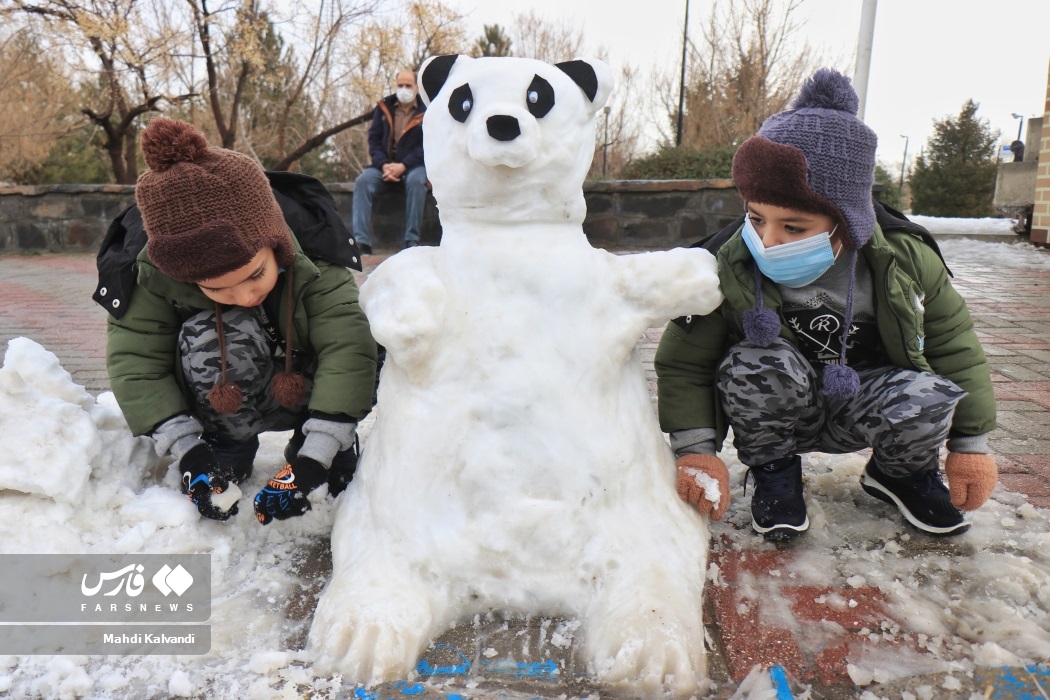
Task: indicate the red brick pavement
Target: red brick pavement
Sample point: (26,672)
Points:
(745,606)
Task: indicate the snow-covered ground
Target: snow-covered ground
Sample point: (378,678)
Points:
(73,480)
(948,225)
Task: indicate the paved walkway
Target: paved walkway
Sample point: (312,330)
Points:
(47,298)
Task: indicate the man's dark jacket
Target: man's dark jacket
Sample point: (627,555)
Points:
(409,147)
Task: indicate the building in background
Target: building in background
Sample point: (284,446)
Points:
(1041,206)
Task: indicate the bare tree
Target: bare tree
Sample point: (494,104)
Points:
(313,104)
(748,65)
(229,36)
(387,42)
(436,29)
(37,101)
(544,39)
(130,55)
(617,128)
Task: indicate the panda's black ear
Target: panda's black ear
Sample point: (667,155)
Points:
(583,75)
(433,74)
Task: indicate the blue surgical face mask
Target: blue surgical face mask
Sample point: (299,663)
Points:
(794,264)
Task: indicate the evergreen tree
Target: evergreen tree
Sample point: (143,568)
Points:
(76,157)
(494,42)
(888,193)
(955,176)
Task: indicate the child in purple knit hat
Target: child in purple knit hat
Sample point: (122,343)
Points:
(840,331)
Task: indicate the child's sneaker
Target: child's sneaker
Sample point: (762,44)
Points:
(922,498)
(778,511)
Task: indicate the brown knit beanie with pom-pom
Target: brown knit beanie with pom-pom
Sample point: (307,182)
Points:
(207,212)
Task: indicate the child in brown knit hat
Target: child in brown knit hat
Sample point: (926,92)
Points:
(840,331)
(228,323)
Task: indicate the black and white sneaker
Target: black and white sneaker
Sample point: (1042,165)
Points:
(778,510)
(922,499)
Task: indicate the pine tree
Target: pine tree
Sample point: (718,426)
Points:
(955,176)
(889,193)
(494,42)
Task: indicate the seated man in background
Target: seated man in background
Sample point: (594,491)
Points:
(395,142)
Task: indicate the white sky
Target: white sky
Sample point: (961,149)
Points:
(928,56)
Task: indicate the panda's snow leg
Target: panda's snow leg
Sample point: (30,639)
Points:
(373,630)
(645,632)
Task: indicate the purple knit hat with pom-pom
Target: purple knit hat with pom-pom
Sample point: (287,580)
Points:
(815,157)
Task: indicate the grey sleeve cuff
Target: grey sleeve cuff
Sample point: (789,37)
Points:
(177,436)
(326,438)
(696,441)
(969,444)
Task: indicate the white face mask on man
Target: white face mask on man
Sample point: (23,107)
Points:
(405,95)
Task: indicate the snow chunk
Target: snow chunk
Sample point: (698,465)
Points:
(266,662)
(180,685)
(991,654)
(860,676)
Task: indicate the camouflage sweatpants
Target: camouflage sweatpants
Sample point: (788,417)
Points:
(250,364)
(772,399)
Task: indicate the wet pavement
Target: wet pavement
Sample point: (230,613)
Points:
(48,299)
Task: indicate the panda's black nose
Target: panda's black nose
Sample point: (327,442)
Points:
(503,128)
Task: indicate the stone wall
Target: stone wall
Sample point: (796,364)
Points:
(623,214)
(59,217)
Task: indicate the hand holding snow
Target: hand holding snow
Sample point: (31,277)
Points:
(226,499)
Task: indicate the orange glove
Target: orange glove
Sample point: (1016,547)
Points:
(689,466)
(971,479)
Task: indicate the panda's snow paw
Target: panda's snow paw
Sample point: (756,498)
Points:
(369,638)
(650,653)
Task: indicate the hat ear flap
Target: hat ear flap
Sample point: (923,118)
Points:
(433,74)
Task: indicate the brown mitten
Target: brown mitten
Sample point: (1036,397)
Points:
(689,467)
(971,479)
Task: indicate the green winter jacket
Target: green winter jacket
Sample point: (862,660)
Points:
(923,322)
(328,324)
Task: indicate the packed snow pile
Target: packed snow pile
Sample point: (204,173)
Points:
(74,480)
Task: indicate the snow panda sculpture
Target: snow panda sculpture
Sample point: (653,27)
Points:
(516,463)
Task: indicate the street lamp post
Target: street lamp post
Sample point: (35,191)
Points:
(605,140)
(681,86)
(1019,124)
(900,183)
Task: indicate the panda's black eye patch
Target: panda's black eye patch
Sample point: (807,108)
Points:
(460,102)
(539,98)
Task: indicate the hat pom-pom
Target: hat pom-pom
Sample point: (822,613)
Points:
(840,382)
(761,326)
(828,89)
(225,398)
(288,388)
(166,142)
